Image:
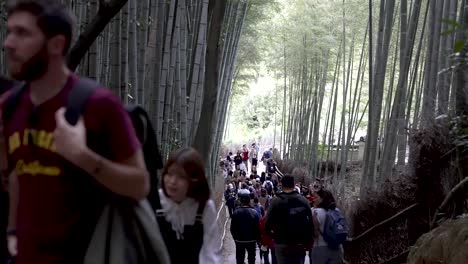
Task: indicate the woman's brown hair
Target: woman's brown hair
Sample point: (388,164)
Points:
(190,160)
(328,201)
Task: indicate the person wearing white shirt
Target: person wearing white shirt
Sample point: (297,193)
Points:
(186,214)
(242,167)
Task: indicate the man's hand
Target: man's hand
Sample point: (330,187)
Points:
(12,245)
(70,141)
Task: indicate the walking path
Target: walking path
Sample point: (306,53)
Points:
(229,251)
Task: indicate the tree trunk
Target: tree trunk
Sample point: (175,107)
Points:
(204,136)
(107,10)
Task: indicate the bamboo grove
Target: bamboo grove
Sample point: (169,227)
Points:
(384,67)
(176,58)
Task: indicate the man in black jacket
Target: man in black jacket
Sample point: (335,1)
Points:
(289,221)
(245,229)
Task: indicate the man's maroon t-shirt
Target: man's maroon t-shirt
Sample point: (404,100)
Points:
(58,203)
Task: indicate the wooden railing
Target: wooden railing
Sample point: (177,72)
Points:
(368,247)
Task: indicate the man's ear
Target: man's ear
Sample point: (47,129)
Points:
(56,44)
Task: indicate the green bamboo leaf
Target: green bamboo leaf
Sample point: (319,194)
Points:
(449,32)
(451,22)
(459,45)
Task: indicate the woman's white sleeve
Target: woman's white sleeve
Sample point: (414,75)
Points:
(321,217)
(210,251)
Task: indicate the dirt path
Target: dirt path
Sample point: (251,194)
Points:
(229,251)
(229,248)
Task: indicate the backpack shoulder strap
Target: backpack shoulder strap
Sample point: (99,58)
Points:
(81,91)
(13,99)
(146,134)
(156,206)
(327,221)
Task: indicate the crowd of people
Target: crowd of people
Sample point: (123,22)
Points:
(285,220)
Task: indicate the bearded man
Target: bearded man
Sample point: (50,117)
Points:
(63,181)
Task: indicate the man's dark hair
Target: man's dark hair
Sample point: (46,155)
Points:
(255,200)
(287,181)
(244,198)
(53,17)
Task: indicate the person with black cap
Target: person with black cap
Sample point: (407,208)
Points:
(289,222)
(245,229)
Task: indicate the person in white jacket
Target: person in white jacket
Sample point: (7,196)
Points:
(187,215)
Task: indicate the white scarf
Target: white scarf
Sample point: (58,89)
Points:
(179,214)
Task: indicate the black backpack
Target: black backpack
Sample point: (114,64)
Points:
(75,106)
(299,225)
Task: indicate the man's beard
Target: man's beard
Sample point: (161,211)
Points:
(35,67)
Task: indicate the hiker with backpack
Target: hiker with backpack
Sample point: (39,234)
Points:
(68,160)
(289,221)
(271,166)
(187,215)
(268,154)
(331,230)
(245,229)
(238,160)
(230,196)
